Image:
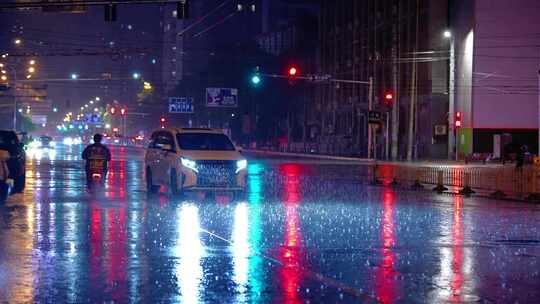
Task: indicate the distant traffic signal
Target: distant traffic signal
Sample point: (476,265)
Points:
(112,110)
(255,79)
(457,121)
(123,111)
(388,98)
(293,71)
(162,122)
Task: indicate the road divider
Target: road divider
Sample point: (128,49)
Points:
(498,182)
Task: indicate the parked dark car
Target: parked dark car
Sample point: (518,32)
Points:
(10,142)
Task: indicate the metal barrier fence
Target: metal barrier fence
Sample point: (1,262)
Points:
(498,181)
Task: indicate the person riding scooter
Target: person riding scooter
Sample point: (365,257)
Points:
(96,156)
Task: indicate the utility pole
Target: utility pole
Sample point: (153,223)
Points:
(452,139)
(370,107)
(395,104)
(412,103)
(387,137)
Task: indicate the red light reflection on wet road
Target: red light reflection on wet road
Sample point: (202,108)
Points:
(386,275)
(290,254)
(457,251)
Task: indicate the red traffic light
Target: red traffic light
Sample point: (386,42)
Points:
(113,110)
(293,71)
(162,121)
(458,120)
(123,111)
(388,96)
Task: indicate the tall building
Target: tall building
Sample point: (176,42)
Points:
(496,57)
(399,45)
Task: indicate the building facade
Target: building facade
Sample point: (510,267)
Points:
(399,45)
(496,55)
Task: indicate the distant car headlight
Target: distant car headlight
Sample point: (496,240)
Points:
(241,165)
(188,163)
(35,144)
(68,141)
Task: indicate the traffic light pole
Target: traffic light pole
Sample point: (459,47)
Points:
(370,129)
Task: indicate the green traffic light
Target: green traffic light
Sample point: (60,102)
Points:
(255,79)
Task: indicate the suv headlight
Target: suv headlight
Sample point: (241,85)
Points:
(241,165)
(188,163)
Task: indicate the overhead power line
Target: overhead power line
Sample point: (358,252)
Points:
(37,4)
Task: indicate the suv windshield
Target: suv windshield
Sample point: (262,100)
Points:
(204,141)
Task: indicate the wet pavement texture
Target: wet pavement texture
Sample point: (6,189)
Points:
(305,232)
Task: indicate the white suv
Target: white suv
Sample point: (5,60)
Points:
(193,159)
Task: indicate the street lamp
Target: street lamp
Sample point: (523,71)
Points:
(28,76)
(3,77)
(31,70)
(447,34)
(74,76)
(32,62)
(452,131)
(97,98)
(91,102)
(17,41)
(136,75)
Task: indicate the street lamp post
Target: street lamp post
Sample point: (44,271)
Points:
(452,135)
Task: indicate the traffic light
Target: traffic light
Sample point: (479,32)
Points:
(457,120)
(388,98)
(162,122)
(256,77)
(182,9)
(293,71)
(123,111)
(112,110)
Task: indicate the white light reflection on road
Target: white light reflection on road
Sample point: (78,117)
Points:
(190,251)
(240,249)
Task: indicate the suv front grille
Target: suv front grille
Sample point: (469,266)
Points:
(216,173)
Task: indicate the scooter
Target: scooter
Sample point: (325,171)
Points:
(5,182)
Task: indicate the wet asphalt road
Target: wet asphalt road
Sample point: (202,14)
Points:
(306,232)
